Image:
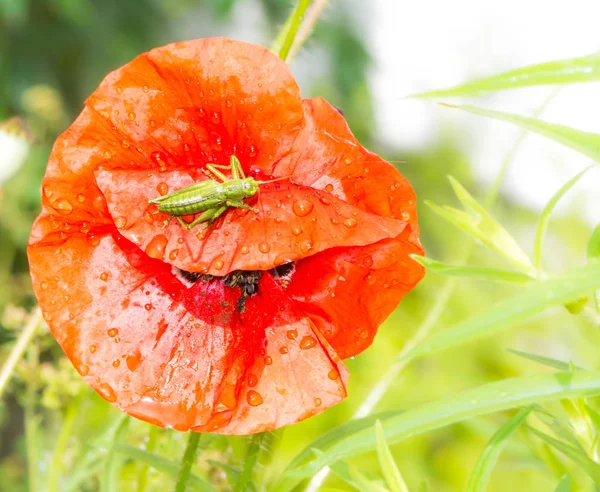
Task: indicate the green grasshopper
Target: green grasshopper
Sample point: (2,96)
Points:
(212,197)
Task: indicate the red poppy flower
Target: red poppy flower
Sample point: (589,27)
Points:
(239,327)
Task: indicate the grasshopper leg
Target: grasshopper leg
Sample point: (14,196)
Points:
(209,216)
(241,205)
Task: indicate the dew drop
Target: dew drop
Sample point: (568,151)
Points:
(324,200)
(180,240)
(116,363)
(363,334)
(47,192)
(268,360)
(254,398)
(159,158)
(133,361)
(264,247)
(218,265)
(252,380)
(63,206)
(106,392)
(104,276)
(333,374)
(302,207)
(292,334)
(156,247)
(215,118)
(113,332)
(405,216)
(148,307)
(80,198)
(92,349)
(296,231)
(283,350)
(368,261)
(350,222)
(131,115)
(162,188)
(85,227)
(329,188)
(318,402)
(120,222)
(82,368)
(117,339)
(228,103)
(125,144)
(44,286)
(251,151)
(173,254)
(307,342)
(244,250)
(93,240)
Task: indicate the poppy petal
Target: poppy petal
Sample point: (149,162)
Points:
(180,355)
(201,101)
(290,222)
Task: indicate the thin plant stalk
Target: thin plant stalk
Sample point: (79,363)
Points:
(150,447)
(285,39)
(307,27)
(187,461)
(19,349)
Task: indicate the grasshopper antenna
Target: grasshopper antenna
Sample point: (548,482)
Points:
(273,180)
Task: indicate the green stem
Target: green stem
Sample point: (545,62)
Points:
(17,352)
(66,429)
(32,421)
(308,24)
(110,480)
(150,447)
(285,38)
(187,461)
(249,462)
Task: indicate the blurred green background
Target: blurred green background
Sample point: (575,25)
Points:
(53,54)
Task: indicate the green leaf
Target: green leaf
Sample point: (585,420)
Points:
(545,216)
(564,484)
(569,71)
(187,461)
(483,400)
(245,479)
(163,465)
(478,223)
(388,466)
(585,143)
(556,291)
(355,477)
(547,361)
(577,455)
(593,253)
(480,476)
(474,272)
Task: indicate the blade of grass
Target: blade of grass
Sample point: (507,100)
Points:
(545,216)
(249,462)
(388,466)
(556,291)
(285,39)
(585,143)
(474,272)
(547,361)
(483,400)
(593,252)
(590,467)
(163,465)
(110,480)
(564,484)
(568,71)
(480,476)
(187,461)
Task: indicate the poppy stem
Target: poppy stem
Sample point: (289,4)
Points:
(187,461)
(19,348)
(287,35)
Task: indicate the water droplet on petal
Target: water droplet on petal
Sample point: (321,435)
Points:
(307,342)
(162,188)
(131,115)
(159,158)
(145,88)
(80,198)
(324,200)
(218,265)
(302,207)
(283,350)
(173,254)
(93,240)
(370,279)
(329,188)
(333,374)
(92,349)
(244,250)
(106,392)
(350,223)
(47,192)
(85,227)
(63,206)
(254,398)
(264,247)
(292,334)
(113,332)
(306,246)
(296,231)
(268,360)
(156,247)
(82,368)
(116,363)
(120,222)
(318,402)
(133,361)
(251,151)
(252,380)
(44,286)
(368,261)
(405,216)
(148,307)
(215,118)
(104,276)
